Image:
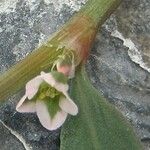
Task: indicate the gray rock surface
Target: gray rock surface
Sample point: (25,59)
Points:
(118,66)
(27,128)
(8,139)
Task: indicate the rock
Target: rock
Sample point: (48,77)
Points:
(28,127)
(121,81)
(8,140)
(132,21)
(119,56)
(120,71)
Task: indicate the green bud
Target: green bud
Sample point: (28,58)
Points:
(60,77)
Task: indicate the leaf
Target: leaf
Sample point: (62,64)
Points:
(98,126)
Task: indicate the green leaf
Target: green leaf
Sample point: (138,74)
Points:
(98,126)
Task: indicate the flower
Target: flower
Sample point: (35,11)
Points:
(66,63)
(47,95)
(66,69)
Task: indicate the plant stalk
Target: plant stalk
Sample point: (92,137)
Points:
(78,34)
(100,10)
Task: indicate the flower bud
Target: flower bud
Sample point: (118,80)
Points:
(66,67)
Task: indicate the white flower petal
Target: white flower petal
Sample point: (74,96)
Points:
(47,77)
(21,101)
(45,118)
(32,86)
(25,106)
(61,87)
(58,119)
(67,105)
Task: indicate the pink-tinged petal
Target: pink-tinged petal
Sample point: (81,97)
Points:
(45,118)
(47,77)
(25,105)
(21,102)
(67,105)
(58,119)
(32,86)
(61,87)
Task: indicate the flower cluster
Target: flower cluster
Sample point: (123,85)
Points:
(47,95)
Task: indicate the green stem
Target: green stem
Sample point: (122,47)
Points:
(16,77)
(100,10)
